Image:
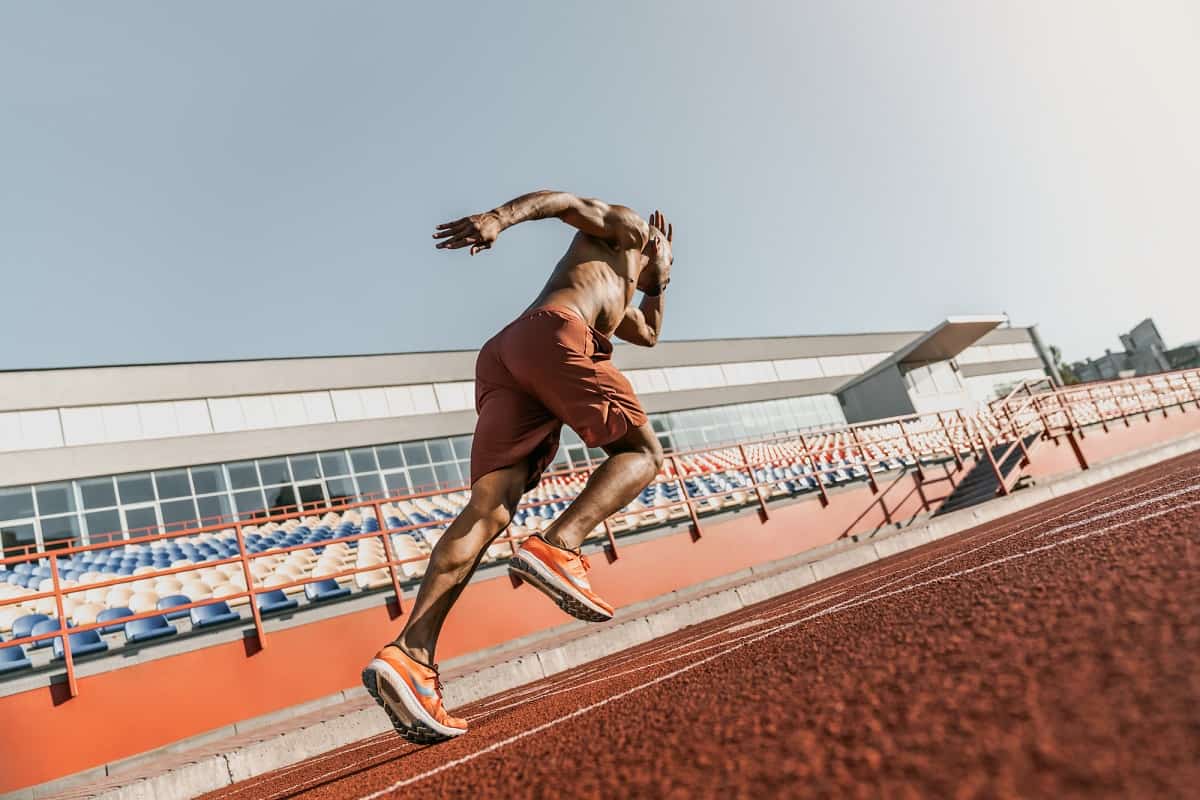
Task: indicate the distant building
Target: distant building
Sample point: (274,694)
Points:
(1145,353)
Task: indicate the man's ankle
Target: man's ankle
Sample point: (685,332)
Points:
(419,654)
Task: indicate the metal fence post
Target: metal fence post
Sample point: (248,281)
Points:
(866,461)
(762,503)
(696,532)
(254,611)
(386,540)
(818,474)
(72,683)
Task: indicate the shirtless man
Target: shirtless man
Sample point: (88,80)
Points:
(551,366)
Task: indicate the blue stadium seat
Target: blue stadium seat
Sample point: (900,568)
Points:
(172,600)
(142,630)
(275,601)
(110,614)
(320,591)
(12,659)
(45,626)
(23,626)
(84,643)
(217,613)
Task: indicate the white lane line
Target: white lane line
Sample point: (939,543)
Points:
(1124,509)
(777,629)
(253,783)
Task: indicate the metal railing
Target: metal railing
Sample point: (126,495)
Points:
(819,460)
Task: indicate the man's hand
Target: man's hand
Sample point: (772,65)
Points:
(659,249)
(477,231)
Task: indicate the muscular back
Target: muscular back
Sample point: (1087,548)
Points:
(614,253)
(595,279)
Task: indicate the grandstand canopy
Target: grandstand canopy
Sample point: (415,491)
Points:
(941,343)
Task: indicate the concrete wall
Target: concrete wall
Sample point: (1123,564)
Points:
(882,395)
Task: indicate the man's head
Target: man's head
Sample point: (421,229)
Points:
(657,255)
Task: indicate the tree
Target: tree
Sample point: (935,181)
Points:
(1064,370)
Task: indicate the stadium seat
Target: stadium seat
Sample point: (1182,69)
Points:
(142,630)
(322,591)
(217,613)
(84,643)
(171,601)
(23,626)
(274,602)
(12,659)
(44,627)
(110,614)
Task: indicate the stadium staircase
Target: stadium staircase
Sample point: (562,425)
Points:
(985,479)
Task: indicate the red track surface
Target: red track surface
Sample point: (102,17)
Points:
(1053,653)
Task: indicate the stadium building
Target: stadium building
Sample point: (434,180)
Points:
(89,454)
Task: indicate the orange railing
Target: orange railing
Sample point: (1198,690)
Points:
(834,455)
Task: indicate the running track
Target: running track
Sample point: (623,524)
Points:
(1052,653)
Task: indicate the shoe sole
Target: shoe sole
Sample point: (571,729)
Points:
(532,572)
(414,725)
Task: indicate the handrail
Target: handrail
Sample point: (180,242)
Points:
(834,453)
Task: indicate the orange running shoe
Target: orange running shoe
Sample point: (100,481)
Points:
(411,694)
(562,576)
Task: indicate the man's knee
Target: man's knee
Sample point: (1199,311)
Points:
(494,517)
(655,452)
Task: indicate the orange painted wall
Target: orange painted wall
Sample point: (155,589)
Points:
(215,686)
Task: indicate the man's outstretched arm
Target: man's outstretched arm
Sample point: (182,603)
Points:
(642,324)
(619,226)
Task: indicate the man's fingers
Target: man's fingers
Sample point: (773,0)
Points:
(442,234)
(452,223)
(670,233)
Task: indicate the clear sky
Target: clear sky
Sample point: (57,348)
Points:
(193,181)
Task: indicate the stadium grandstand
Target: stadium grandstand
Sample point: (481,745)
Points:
(219,518)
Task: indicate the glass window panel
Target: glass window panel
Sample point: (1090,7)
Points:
(135,489)
(172,484)
(281,497)
(389,456)
(440,450)
(16,536)
(369,484)
(141,521)
(415,454)
(243,475)
(97,493)
(305,468)
(570,437)
(55,498)
(63,531)
(274,471)
(103,526)
(177,512)
(334,463)
(339,489)
(397,482)
(208,479)
(597,454)
(447,475)
(422,478)
(250,501)
(363,460)
(213,509)
(665,441)
(462,447)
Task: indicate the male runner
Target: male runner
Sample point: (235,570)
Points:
(552,365)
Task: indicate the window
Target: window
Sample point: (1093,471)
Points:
(97,493)
(339,489)
(243,475)
(440,450)
(14,535)
(62,531)
(178,512)
(16,503)
(208,479)
(422,478)
(103,526)
(274,471)
(249,502)
(462,447)
(363,460)
(172,484)
(369,484)
(334,463)
(447,475)
(135,489)
(211,509)
(415,454)
(389,456)
(397,482)
(55,498)
(305,468)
